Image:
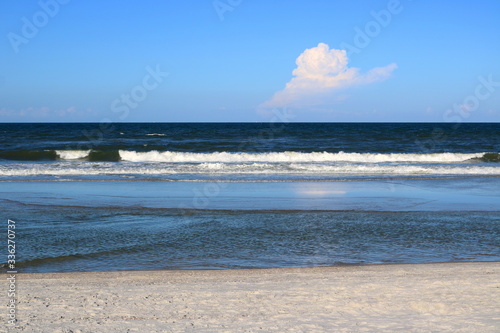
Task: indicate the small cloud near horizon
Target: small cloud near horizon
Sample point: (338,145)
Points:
(320,73)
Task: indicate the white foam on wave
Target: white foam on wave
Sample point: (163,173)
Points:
(345,169)
(155,134)
(342,168)
(291,157)
(72,154)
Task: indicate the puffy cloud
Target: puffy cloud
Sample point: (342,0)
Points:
(320,73)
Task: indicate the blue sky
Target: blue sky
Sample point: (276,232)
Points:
(238,60)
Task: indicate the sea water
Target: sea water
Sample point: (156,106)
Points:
(89,197)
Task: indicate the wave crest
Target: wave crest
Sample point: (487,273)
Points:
(72,154)
(293,157)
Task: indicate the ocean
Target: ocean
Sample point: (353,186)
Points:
(149,196)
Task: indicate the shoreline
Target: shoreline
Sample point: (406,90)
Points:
(274,269)
(458,297)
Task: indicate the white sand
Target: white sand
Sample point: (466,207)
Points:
(462,297)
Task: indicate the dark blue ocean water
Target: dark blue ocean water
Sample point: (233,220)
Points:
(242,151)
(227,195)
(248,137)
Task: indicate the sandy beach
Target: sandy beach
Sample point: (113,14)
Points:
(447,297)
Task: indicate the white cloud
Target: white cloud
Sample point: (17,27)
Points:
(320,73)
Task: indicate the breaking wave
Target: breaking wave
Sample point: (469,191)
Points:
(69,163)
(232,157)
(345,169)
(292,157)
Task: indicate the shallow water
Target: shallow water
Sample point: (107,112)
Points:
(92,226)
